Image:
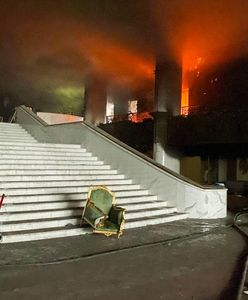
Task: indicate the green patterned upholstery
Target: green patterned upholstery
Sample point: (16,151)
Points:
(102,199)
(93,216)
(101,213)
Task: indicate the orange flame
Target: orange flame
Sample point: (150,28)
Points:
(188,66)
(140,117)
(215,29)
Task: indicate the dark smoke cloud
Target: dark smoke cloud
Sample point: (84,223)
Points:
(216,30)
(47,46)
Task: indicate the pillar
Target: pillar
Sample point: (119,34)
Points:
(95,100)
(120,96)
(168,84)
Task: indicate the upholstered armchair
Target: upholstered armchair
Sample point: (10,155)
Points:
(101,212)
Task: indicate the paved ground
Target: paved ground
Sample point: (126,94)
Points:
(148,263)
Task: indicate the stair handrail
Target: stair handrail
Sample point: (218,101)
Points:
(32,115)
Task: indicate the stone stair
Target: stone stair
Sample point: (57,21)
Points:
(46,186)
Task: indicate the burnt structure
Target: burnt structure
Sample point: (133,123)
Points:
(217,114)
(216,127)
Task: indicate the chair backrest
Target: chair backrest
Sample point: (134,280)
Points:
(102,197)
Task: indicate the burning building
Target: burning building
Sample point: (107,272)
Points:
(86,56)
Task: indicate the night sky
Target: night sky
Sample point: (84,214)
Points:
(49,49)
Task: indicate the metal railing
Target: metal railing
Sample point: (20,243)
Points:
(216,109)
(118,118)
(187,110)
(133,117)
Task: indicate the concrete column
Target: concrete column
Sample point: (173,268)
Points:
(120,97)
(168,84)
(222,170)
(121,105)
(95,100)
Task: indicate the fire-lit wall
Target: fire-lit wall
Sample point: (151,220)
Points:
(224,85)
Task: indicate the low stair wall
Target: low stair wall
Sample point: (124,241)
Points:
(186,195)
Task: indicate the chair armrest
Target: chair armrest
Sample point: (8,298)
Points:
(94,216)
(99,222)
(116,215)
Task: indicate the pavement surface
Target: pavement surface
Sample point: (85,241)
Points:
(188,259)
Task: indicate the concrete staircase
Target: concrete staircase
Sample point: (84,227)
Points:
(46,187)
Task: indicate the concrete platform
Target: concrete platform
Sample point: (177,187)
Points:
(47,251)
(170,261)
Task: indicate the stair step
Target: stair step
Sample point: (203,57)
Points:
(62,183)
(70,196)
(44,153)
(18,141)
(35,206)
(15,201)
(42,145)
(61,172)
(52,167)
(9,125)
(46,158)
(158,219)
(142,205)
(39,147)
(61,178)
(39,224)
(31,161)
(42,214)
(42,235)
(61,232)
(151,212)
(34,219)
(13,131)
(124,200)
(16,136)
(65,190)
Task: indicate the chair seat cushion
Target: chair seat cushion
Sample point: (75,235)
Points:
(108,226)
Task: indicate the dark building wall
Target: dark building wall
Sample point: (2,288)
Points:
(136,135)
(224,85)
(7,106)
(211,130)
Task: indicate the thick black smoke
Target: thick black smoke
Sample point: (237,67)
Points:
(48,49)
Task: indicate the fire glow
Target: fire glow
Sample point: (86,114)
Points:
(186,69)
(215,30)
